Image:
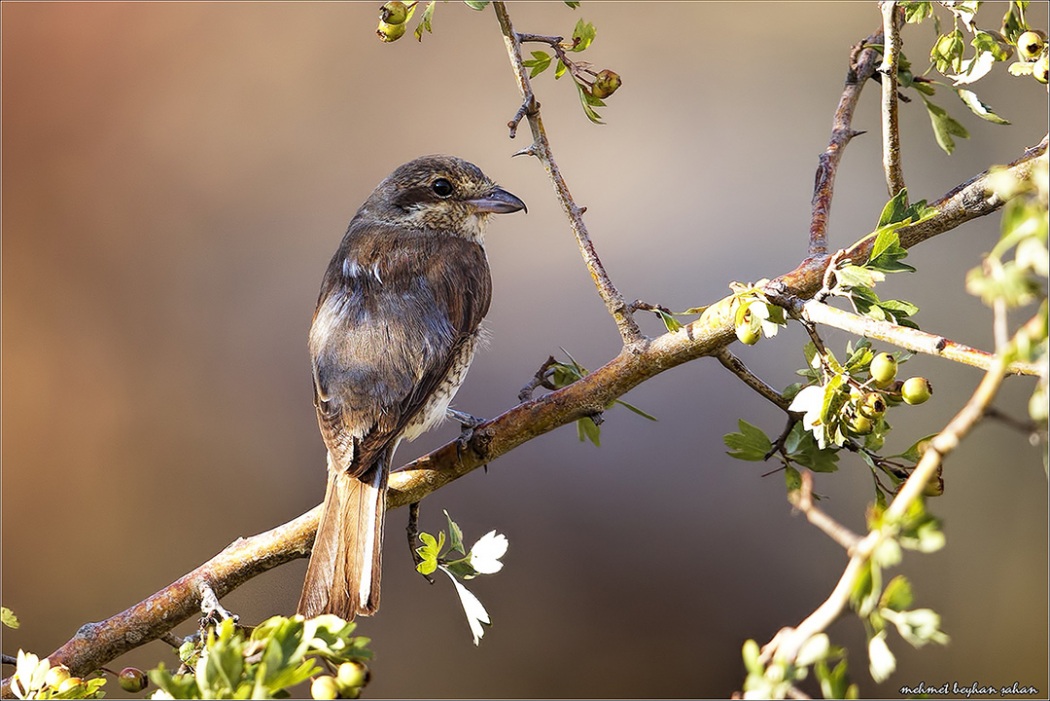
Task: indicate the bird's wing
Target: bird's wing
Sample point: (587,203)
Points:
(395,308)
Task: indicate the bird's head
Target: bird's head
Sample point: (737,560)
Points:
(442,193)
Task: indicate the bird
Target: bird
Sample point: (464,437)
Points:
(394,332)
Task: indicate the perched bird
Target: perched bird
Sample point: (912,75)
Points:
(393,335)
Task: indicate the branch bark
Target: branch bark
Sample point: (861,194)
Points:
(891,139)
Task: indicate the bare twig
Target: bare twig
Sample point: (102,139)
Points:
(891,142)
(802,499)
(614,301)
(862,67)
(736,366)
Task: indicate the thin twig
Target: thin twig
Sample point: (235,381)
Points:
(802,499)
(862,67)
(902,336)
(736,366)
(614,301)
(891,142)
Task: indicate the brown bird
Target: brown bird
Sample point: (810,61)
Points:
(393,335)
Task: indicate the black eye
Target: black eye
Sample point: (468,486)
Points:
(441,187)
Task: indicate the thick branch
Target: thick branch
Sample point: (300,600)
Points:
(891,139)
(540,148)
(862,67)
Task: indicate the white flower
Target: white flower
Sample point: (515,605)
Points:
(881,662)
(476,613)
(485,555)
(810,401)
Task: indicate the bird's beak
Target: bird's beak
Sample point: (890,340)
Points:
(498,201)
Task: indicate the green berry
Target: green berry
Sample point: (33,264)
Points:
(324,687)
(860,425)
(1041,70)
(394,12)
(352,675)
(605,84)
(747,334)
(883,369)
(391,32)
(132,679)
(873,406)
(70,684)
(916,390)
(1030,45)
(56,675)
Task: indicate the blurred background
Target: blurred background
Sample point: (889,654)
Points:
(176,177)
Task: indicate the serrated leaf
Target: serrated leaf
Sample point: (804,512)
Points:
(582,35)
(894,211)
(979,108)
(8,617)
(751,443)
(914,13)
(944,127)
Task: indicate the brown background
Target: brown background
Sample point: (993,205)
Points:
(176,177)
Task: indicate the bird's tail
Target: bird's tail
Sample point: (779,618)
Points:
(345,564)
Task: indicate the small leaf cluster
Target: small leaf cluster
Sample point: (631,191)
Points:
(1015,272)
(776,679)
(949,57)
(753,314)
(439,553)
(857,282)
(880,604)
(36,678)
(593,86)
(589,427)
(277,655)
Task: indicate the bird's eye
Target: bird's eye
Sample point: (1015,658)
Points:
(442,188)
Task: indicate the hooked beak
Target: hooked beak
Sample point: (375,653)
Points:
(498,201)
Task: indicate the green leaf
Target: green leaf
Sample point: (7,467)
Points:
(833,683)
(897,595)
(670,322)
(424,22)
(559,70)
(944,127)
(8,617)
(887,252)
(751,443)
(429,552)
(586,429)
(986,42)
(914,13)
(539,62)
(582,35)
(455,536)
(476,4)
(586,99)
(636,410)
(896,210)
(979,108)
(572,3)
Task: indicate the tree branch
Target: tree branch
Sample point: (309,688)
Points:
(891,139)
(902,336)
(541,149)
(861,69)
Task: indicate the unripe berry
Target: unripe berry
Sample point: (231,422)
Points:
(873,406)
(394,12)
(1030,45)
(605,84)
(69,684)
(935,487)
(883,369)
(1041,69)
(860,425)
(132,679)
(324,687)
(56,675)
(747,334)
(352,675)
(916,390)
(391,32)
